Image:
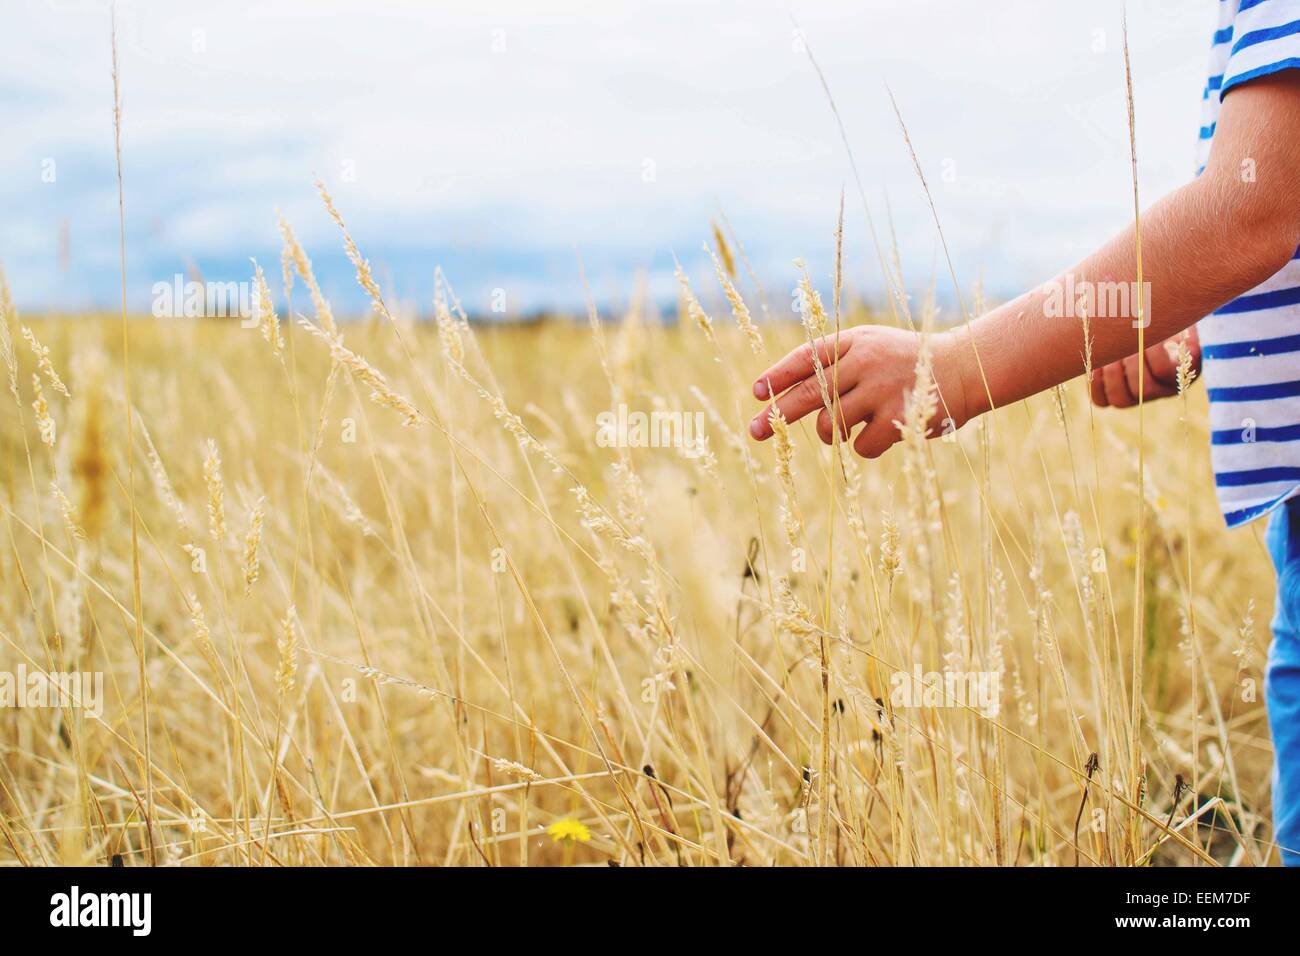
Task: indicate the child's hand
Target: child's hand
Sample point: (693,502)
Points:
(1117,384)
(873,371)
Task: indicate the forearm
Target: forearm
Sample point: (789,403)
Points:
(1201,248)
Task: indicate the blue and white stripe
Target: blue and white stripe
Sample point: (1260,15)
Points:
(1251,346)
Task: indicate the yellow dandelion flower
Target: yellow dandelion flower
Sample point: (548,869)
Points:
(569,829)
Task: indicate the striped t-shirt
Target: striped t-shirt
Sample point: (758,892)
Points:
(1251,347)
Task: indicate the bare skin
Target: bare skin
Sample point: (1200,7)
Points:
(1203,245)
(1116,385)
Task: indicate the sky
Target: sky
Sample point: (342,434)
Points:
(510,141)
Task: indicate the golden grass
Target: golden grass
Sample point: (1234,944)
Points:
(400,607)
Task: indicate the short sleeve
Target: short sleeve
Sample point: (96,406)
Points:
(1265,39)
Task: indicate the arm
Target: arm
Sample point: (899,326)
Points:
(1202,245)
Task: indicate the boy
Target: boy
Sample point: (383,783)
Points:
(1221,250)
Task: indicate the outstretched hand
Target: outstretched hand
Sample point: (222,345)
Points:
(871,368)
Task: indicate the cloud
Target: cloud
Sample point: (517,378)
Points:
(497,139)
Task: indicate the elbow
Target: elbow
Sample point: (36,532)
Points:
(1250,227)
(1271,242)
(1263,234)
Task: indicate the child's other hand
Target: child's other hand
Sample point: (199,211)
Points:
(1116,384)
(873,371)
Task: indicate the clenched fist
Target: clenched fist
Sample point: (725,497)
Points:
(1116,384)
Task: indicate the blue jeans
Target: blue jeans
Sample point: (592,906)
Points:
(1282,680)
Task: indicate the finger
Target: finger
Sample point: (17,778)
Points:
(1116,384)
(1098,388)
(1162,362)
(1158,390)
(1152,387)
(853,408)
(794,405)
(1160,386)
(1133,366)
(876,437)
(798,365)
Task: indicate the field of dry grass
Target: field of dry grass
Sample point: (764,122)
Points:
(400,605)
